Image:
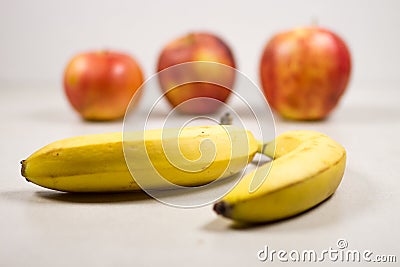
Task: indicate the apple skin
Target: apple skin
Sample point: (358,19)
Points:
(304,72)
(100,84)
(197,46)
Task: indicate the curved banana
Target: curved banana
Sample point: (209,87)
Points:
(96,163)
(307,168)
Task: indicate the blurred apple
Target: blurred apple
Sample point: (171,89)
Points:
(206,82)
(100,84)
(304,72)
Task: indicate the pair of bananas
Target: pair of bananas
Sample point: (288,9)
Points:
(306,169)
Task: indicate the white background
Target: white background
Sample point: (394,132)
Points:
(43,228)
(39,37)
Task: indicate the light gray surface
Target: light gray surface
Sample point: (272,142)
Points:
(39,227)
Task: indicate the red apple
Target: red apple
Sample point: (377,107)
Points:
(304,72)
(99,85)
(214,80)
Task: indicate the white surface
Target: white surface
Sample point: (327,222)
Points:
(39,227)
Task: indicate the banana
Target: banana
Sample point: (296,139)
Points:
(306,169)
(189,156)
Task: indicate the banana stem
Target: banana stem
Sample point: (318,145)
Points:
(267,149)
(226,119)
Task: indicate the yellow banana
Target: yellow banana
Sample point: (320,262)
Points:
(307,168)
(96,163)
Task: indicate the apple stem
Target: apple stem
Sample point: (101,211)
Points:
(314,21)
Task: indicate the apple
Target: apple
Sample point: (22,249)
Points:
(100,84)
(304,72)
(204,80)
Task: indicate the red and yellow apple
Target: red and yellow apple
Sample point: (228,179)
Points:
(304,72)
(200,80)
(100,84)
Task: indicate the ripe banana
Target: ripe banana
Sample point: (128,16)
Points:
(95,163)
(306,169)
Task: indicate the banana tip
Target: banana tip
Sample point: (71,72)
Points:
(222,208)
(23,166)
